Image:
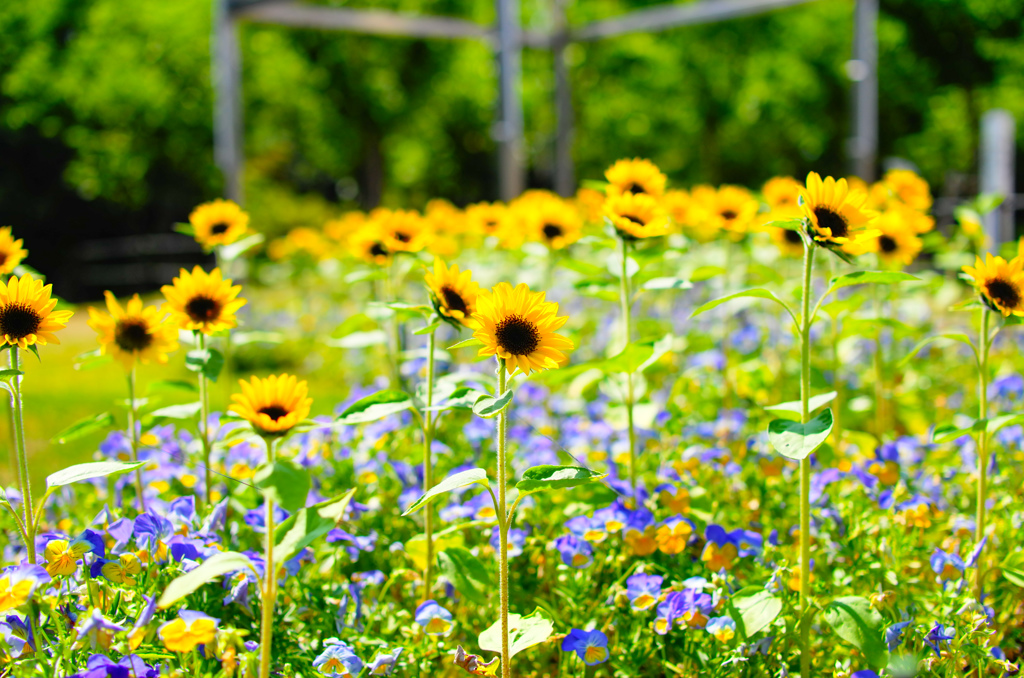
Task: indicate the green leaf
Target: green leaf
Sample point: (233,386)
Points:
(472,341)
(239,247)
(284,482)
(487,406)
(7,378)
(429,329)
(796,440)
(94,469)
(179,384)
(1012,568)
(756,293)
(84,427)
(523,632)
(177,412)
(362,339)
(953,336)
(756,610)
(855,621)
(866,277)
(92,359)
(454,482)
(466,573)
(256,337)
(215,566)
(206,361)
(795,407)
(306,525)
(945,433)
(184,228)
(667,284)
(547,477)
(702,273)
(376,406)
(788,224)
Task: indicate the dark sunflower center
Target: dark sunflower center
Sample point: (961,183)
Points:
(835,223)
(202,309)
(453,301)
(402,237)
(19,320)
(275,412)
(635,219)
(491,224)
(793,237)
(1003,293)
(132,334)
(378,250)
(887,244)
(635,188)
(219,228)
(729,215)
(517,335)
(552,231)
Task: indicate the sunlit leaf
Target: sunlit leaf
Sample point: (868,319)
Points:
(796,440)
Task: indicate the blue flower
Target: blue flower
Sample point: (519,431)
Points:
(644,590)
(937,635)
(590,646)
(435,620)
(948,566)
(894,634)
(338,660)
(384,663)
(575,552)
(722,628)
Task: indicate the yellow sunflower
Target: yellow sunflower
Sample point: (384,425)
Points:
(368,244)
(835,214)
(909,188)
(220,222)
(518,325)
(636,216)
(730,208)
(635,176)
(11,252)
(26,313)
(788,241)
(453,292)
(896,243)
(553,221)
(273,405)
(1000,283)
(781,192)
(133,332)
(401,230)
(203,301)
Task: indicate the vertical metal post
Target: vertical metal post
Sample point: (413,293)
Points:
(997,173)
(565,181)
(509,129)
(226,74)
(863,71)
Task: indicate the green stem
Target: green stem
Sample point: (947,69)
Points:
(503,523)
(204,424)
(626,308)
(428,468)
(25,481)
(269,593)
(837,366)
(882,418)
(805,468)
(983,457)
(395,340)
(134,437)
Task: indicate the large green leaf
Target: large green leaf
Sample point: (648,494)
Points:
(454,482)
(523,632)
(757,609)
(466,573)
(84,427)
(945,433)
(858,623)
(305,526)
(795,407)
(177,412)
(796,440)
(207,361)
(284,482)
(667,284)
(94,469)
(488,406)
(215,566)
(376,406)
(547,477)
(756,293)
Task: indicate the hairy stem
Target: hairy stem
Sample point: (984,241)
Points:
(134,437)
(983,456)
(428,469)
(626,308)
(503,523)
(805,468)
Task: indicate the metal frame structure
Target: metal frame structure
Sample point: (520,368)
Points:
(508,39)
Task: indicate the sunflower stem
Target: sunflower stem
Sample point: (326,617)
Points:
(24,480)
(269,593)
(428,468)
(805,467)
(204,424)
(624,293)
(503,523)
(983,457)
(134,437)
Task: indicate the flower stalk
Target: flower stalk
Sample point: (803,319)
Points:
(624,293)
(805,466)
(204,424)
(428,468)
(269,592)
(503,522)
(133,416)
(24,480)
(983,452)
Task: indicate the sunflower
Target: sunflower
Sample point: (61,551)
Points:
(788,241)
(781,192)
(896,242)
(552,221)
(133,332)
(26,313)
(910,189)
(220,222)
(636,216)
(730,208)
(518,326)
(401,230)
(835,215)
(273,405)
(1000,283)
(635,176)
(368,244)
(11,252)
(203,301)
(453,293)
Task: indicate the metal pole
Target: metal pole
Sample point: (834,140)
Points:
(565,181)
(997,173)
(863,71)
(509,129)
(226,73)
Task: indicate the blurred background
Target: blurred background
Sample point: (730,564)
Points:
(106,113)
